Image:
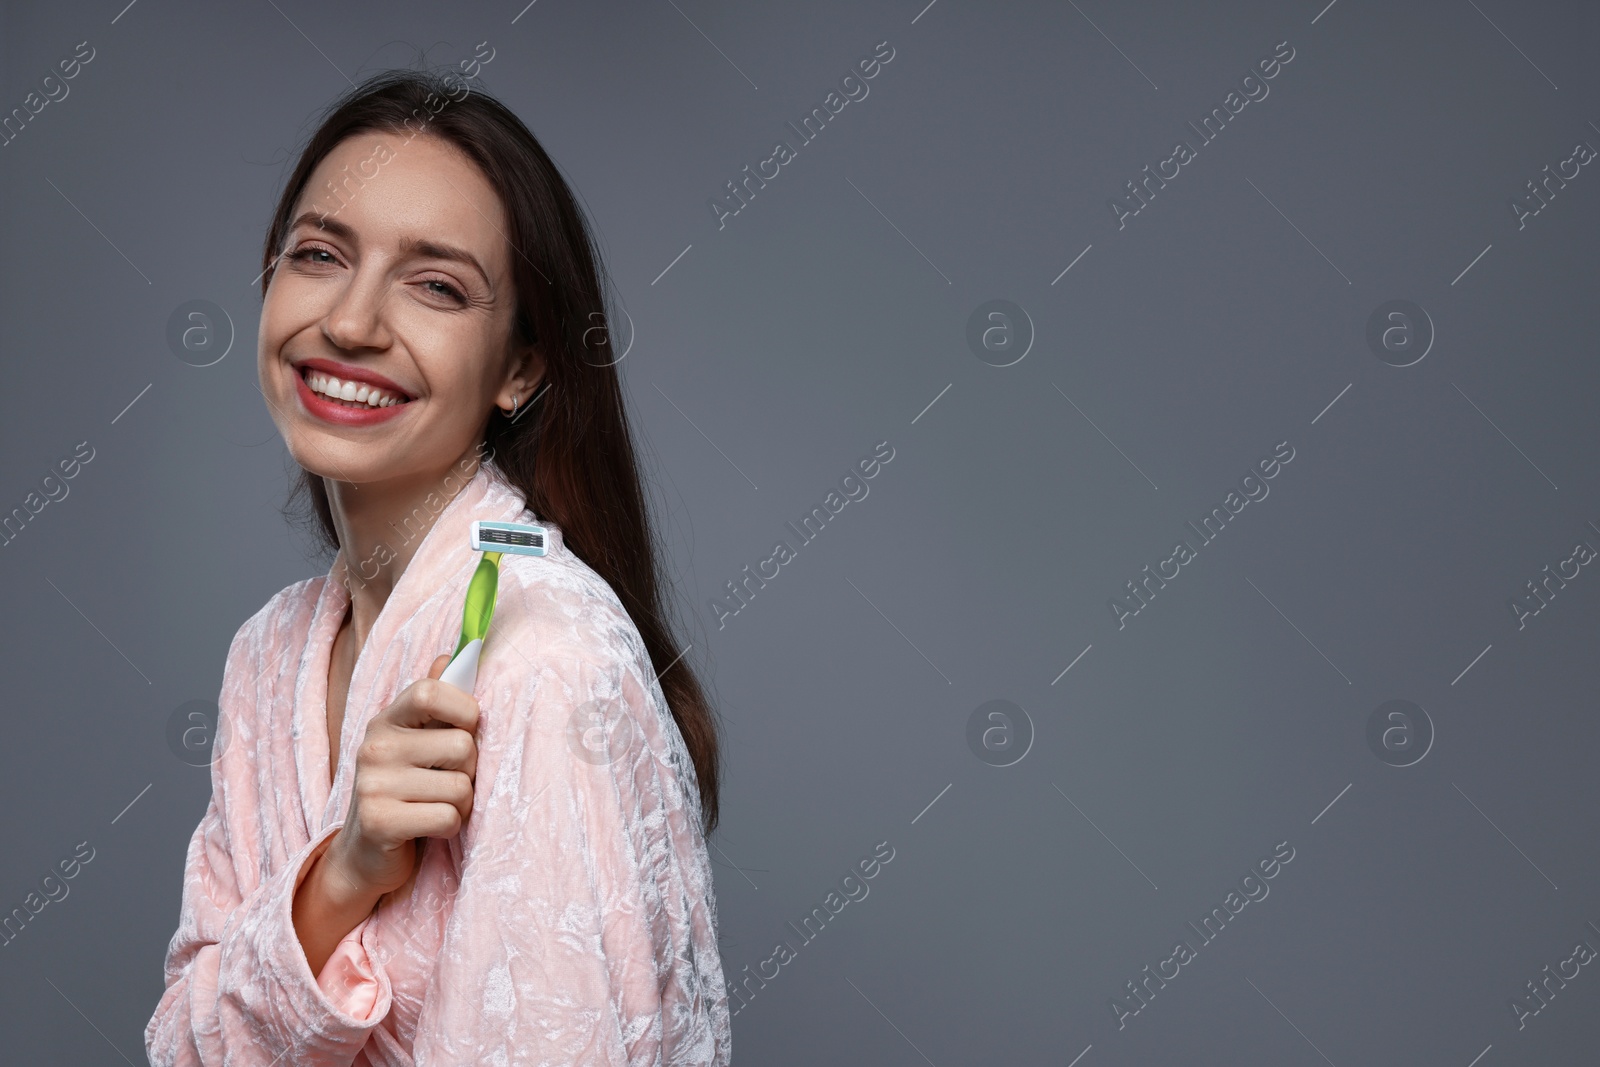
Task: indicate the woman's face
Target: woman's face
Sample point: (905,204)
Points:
(403,294)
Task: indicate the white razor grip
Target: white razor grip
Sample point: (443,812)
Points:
(463,670)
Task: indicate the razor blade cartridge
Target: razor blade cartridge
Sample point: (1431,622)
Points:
(519,537)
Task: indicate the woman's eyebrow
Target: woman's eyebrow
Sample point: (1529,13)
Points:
(431,249)
(434,250)
(323,222)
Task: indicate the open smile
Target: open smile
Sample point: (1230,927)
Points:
(348,400)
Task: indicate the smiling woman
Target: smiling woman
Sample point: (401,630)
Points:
(391,870)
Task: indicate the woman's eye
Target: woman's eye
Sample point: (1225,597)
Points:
(300,254)
(446,289)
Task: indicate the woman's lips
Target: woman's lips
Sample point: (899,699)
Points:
(333,411)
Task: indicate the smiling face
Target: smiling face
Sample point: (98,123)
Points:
(401,302)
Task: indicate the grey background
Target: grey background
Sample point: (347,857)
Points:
(827,316)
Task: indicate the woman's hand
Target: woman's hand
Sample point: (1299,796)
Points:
(414,778)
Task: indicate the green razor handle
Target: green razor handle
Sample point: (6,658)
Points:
(492,539)
(475,618)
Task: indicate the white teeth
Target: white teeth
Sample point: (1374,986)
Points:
(355,392)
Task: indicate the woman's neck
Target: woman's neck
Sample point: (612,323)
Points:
(380,525)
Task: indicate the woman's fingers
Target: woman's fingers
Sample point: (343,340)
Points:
(419,785)
(395,821)
(439,820)
(428,699)
(445,748)
(400,803)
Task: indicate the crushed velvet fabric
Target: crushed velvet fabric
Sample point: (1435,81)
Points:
(572,921)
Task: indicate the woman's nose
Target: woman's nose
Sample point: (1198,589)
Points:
(356,319)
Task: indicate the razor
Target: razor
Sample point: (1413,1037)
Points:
(493,539)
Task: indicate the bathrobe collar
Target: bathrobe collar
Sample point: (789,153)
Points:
(427,597)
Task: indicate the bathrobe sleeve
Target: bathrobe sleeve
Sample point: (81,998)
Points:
(583,929)
(239,990)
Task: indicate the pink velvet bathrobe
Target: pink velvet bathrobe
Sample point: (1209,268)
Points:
(572,921)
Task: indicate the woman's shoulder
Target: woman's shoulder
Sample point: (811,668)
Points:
(564,607)
(558,620)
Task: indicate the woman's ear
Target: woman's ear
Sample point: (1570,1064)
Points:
(525,379)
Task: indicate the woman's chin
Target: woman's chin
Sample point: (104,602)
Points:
(343,461)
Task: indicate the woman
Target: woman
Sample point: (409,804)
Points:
(392,871)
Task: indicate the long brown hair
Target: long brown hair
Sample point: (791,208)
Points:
(570,455)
